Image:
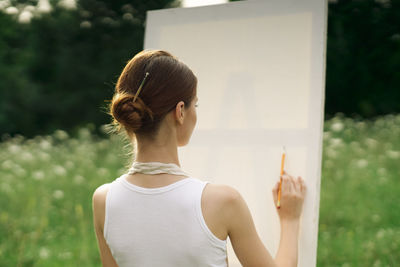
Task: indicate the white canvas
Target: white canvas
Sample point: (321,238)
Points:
(261,73)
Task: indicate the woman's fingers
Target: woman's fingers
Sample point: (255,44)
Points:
(286,184)
(303,185)
(291,184)
(295,184)
(275,191)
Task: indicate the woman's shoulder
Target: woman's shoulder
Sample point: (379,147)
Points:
(100,193)
(218,205)
(98,205)
(221,193)
(99,198)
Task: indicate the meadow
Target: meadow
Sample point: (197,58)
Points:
(46,185)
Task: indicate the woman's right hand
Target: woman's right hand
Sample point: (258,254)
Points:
(292,197)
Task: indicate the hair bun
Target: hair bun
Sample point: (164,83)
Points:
(131,115)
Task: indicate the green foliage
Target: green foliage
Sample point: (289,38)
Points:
(47,183)
(57,71)
(14,83)
(363,57)
(359,215)
(46,188)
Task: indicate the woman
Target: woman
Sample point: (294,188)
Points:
(158,215)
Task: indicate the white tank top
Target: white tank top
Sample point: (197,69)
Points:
(161,226)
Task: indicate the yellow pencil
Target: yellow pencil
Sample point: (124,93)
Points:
(280,182)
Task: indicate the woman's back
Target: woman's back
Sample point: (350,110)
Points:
(161,226)
(224,211)
(183,222)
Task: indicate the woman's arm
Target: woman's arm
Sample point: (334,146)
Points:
(246,243)
(288,245)
(98,204)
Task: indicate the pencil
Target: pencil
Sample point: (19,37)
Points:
(280,182)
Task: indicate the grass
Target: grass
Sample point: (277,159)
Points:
(359,205)
(46,184)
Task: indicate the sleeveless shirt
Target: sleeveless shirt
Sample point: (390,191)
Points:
(161,226)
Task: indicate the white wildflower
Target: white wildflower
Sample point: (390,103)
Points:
(102,172)
(38,175)
(370,142)
(14,149)
(25,16)
(18,170)
(58,194)
(26,156)
(336,142)
(86,24)
(337,126)
(59,170)
(44,253)
(382,171)
(29,8)
(78,179)
(127,16)
(11,10)
(44,144)
(380,234)
(362,163)
(4,4)
(67,4)
(44,156)
(84,133)
(7,164)
(43,6)
(393,154)
(331,153)
(61,135)
(69,164)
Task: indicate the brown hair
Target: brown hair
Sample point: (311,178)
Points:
(169,81)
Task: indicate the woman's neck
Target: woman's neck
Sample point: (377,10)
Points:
(165,152)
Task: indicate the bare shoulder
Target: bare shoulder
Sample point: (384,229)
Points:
(222,198)
(218,206)
(100,194)
(98,205)
(224,194)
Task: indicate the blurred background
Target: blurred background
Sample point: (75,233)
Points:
(59,61)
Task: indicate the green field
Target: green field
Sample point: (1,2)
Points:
(46,185)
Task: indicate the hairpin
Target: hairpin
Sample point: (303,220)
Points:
(140,87)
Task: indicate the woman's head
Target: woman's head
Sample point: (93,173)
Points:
(169,83)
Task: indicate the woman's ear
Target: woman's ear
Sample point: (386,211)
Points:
(180,111)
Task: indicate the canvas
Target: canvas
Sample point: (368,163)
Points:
(261,77)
